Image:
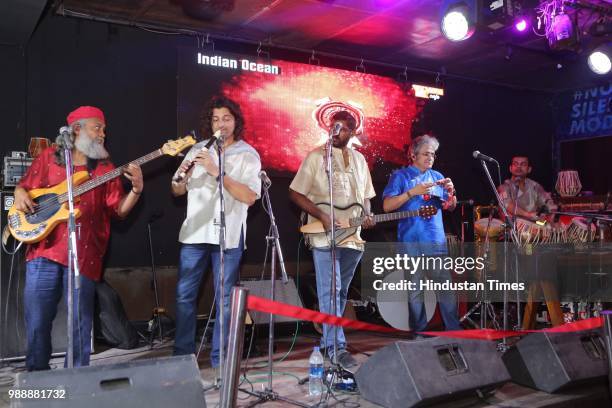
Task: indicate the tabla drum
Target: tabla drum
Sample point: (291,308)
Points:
(558,235)
(496,228)
(580,231)
(568,183)
(394,307)
(531,233)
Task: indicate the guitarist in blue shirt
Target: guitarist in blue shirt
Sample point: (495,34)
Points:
(408,189)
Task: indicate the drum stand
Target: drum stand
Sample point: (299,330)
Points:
(485,306)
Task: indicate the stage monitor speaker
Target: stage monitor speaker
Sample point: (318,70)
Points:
(12,281)
(422,372)
(554,361)
(158,383)
(18,19)
(284,293)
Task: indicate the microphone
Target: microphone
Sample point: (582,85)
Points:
(477,155)
(65,132)
(265,179)
(335,131)
(181,176)
(469,201)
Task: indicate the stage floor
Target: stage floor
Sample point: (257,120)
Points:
(294,367)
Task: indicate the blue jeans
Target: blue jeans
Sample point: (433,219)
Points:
(447,300)
(346,263)
(193,263)
(45,282)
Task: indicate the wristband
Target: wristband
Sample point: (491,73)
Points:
(137,193)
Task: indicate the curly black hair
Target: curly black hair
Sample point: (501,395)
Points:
(218,102)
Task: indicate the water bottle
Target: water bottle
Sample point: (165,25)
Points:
(315,379)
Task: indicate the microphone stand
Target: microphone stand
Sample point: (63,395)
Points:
(73,259)
(329,169)
(273,237)
(222,243)
(484,304)
(516,253)
(511,222)
(156,323)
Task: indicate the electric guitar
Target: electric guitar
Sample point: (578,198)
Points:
(346,232)
(51,204)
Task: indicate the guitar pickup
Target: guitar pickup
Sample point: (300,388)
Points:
(14,221)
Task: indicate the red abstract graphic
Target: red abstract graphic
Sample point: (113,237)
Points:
(279,112)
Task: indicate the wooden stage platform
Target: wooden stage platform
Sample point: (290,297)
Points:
(290,367)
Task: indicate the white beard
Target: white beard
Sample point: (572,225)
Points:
(91,148)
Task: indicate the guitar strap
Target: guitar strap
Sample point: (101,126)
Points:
(91,165)
(356,176)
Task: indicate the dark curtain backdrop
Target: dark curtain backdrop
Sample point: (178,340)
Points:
(131,75)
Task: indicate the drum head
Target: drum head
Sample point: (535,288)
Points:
(495,228)
(395,311)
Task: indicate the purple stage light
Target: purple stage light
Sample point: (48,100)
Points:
(520,25)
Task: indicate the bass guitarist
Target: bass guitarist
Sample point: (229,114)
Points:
(352,184)
(47,260)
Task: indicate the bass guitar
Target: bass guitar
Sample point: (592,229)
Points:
(347,229)
(51,204)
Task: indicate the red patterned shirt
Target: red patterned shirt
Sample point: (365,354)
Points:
(93,226)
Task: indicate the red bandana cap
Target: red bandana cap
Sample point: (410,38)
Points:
(85,112)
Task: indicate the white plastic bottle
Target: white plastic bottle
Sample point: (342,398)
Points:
(315,379)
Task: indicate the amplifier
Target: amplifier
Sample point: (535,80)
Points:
(14,168)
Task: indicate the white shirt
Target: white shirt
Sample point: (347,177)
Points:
(201,226)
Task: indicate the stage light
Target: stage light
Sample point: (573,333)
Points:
(458,21)
(521,24)
(599,60)
(562,33)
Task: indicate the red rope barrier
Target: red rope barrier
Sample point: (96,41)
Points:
(283,309)
(267,306)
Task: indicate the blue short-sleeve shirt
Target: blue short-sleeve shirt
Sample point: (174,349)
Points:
(428,233)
